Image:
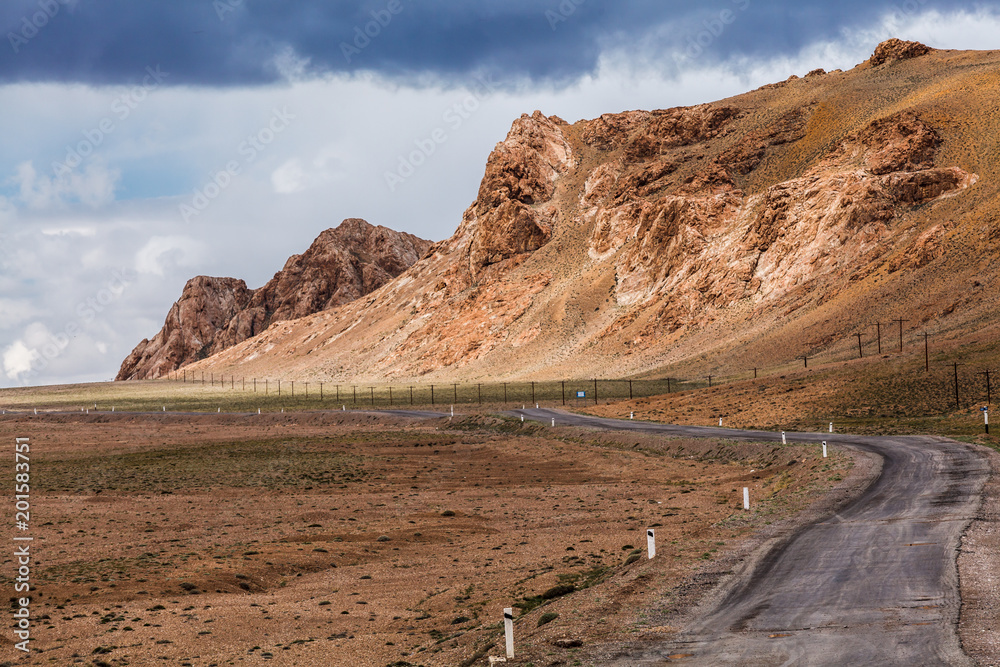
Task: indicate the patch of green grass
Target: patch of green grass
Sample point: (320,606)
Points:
(273,464)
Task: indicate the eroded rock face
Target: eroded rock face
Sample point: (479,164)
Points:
(206,306)
(894,50)
(509,214)
(709,245)
(213,314)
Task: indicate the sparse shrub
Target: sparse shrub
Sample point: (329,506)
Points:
(547,617)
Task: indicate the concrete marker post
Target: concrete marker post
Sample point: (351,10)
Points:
(783,440)
(553,421)
(631,415)
(720,421)
(831,427)
(650,542)
(824,449)
(746,498)
(508,630)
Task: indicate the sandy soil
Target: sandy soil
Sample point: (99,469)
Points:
(319,539)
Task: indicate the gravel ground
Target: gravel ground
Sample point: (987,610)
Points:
(979,573)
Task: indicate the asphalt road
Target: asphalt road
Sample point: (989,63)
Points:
(875,584)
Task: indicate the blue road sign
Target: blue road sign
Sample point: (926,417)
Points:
(581,394)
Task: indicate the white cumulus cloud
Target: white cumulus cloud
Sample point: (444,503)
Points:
(17,360)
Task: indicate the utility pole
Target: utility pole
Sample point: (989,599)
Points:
(805,359)
(411,395)
(668,385)
(564,392)
(927,355)
(595,391)
(878,335)
(532,392)
(754,372)
(480,394)
(505,393)
(901,333)
(709,381)
(390,396)
(861,354)
(455,388)
(630,390)
(958,403)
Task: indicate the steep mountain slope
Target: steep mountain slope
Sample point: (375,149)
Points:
(742,233)
(213,314)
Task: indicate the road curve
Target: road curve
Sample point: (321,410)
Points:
(874,584)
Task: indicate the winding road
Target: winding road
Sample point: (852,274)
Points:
(874,584)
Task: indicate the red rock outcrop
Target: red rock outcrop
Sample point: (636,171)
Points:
(206,307)
(341,265)
(894,50)
(508,215)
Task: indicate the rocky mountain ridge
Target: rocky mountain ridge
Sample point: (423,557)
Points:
(749,231)
(213,314)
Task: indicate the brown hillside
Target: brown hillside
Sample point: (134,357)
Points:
(736,234)
(213,314)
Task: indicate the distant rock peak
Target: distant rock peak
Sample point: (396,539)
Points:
(213,314)
(894,50)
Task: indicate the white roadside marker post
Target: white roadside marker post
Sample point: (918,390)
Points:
(553,421)
(631,415)
(508,630)
(453,411)
(783,441)
(164,408)
(746,498)
(650,542)
(831,427)
(258,410)
(720,421)
(522,417)
(824,449)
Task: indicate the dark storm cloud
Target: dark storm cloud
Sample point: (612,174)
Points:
(235,42)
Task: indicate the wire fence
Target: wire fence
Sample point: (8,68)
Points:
(560,392)
(931,387)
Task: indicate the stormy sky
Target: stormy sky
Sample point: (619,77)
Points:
(148,141)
